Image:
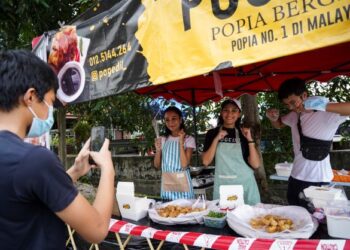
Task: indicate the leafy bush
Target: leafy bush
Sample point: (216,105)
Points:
(82,132)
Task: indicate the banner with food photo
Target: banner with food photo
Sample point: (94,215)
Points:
(126,45)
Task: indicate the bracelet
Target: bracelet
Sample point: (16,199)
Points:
(251,142)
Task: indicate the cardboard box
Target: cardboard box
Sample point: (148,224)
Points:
(131,207)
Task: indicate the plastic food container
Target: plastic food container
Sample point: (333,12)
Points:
(284,169)
(322,196)
(214,222)
(338,219)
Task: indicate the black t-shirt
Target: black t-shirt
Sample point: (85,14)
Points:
(33,187)
(229,138)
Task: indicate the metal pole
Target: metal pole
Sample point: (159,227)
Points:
(61,122)
(195,124)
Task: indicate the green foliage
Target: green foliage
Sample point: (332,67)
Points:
(134,113)
(128,112)
(82,132)
(202,114)
(55,141)
(337,89)
(273,140)
(21,21)
(70,141)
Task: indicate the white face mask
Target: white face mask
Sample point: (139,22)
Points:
(39,126)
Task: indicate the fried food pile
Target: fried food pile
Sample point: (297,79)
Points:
(232,198)
(64,48)
(272,223)
(174,211)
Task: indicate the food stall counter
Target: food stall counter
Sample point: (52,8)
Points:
(225,238)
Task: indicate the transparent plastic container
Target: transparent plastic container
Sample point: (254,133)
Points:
(338,219)
(284,169)
(214,222)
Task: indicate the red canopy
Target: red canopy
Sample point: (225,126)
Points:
(321,64)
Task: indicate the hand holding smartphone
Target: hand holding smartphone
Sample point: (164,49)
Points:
(98,135)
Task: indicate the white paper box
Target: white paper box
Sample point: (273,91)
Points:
(326,193)
(284,169)
(338,219)
(321,196)
(231,196)
(131,207)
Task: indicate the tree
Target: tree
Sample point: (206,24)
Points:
(337,89)
(134,113)
(252,119)
(21,21)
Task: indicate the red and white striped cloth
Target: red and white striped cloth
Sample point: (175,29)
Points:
(224,242)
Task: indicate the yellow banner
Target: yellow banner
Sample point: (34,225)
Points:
(185,38)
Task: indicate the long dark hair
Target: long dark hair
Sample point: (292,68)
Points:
(179,113)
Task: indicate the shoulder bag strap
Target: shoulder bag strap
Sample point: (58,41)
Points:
(300,131)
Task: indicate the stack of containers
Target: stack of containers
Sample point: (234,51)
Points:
(321,196)
(338,219)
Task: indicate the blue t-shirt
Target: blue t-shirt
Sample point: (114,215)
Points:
(33,186)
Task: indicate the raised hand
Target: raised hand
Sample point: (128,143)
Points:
(222,133)
(158,144)
(182,136)
(103,158)
(247,133)
(81,163)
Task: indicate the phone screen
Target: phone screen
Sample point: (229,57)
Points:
(98,135)
(97,138)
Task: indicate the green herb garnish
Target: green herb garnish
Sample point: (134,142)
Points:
(215,214)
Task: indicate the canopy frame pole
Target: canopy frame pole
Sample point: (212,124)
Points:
(62,148)
(195,124)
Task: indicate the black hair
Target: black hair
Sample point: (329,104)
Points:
(179,113)
(292,86)
(19,71)
(220,121)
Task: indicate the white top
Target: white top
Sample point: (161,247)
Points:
(189,141)
(319,125)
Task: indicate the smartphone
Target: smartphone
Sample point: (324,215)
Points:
(98,135)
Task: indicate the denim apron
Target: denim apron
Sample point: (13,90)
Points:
(176,182)
(231,169)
